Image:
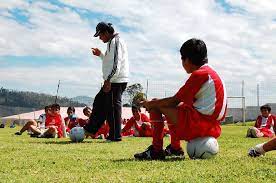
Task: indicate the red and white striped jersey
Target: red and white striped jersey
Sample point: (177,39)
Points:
(205,92)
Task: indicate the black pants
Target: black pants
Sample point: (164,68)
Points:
(108,106)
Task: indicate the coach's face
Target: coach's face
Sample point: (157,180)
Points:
(104,36)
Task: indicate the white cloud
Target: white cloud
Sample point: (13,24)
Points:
(240,44)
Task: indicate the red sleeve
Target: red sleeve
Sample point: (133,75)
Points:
(144,118)
(81,122)
(258,122)
(129,124)
(187,92)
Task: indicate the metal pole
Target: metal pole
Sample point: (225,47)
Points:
(243,104)
(147,89)
(258,95)
(57,92)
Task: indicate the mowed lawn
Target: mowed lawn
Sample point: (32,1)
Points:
(25,159)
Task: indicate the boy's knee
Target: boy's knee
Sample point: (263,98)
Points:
(202,148)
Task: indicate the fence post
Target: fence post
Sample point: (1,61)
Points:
(147,89)
(258,95)
(243,104)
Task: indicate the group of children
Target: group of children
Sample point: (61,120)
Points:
(193,114)
(51,124)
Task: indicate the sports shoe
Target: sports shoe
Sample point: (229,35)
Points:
(248,134)
(17,133)
(169,151)
(253,153)
(2,126)
(150,154)
(34,135)
(12,126)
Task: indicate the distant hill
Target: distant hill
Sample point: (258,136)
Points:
(29,99)
(84,100)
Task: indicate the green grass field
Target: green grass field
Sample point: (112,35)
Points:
(25,159)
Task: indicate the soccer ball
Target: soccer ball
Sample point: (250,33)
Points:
(76,134)
(202,148)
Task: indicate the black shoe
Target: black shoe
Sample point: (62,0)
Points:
(2,126)
(113,140)
(90,129)
(18,133)
(34,135)
(150,154)
(169,151)
(253,153)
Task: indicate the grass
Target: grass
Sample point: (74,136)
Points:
(25,159)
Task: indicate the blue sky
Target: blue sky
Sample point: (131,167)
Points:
(42,42)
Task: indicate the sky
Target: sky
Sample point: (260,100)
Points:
(42,42)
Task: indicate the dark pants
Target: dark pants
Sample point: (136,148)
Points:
(108,106)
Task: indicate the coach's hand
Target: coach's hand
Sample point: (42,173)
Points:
(96,51)
(107,86)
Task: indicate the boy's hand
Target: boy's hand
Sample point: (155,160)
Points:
(106,86)
(146,104)
(96,51)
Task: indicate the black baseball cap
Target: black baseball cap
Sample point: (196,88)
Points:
(101,27)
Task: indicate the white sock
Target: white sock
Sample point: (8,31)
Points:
(259,148)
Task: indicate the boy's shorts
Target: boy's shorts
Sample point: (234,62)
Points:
(192,124)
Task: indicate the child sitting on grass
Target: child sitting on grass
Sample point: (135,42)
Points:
(35,126)
(264,124)
(139,124)
(54,124)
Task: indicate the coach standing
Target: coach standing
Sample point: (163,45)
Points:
(108,102)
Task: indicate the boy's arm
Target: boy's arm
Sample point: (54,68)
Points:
(128,125)
(257,122)
(158,103)
(63,128)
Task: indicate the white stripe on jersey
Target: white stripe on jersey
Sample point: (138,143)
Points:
(206,98)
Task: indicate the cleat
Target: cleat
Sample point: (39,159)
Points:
(17,133)
(169,151)
(150,154)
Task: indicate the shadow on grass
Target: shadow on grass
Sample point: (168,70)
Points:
(171,159)
(61,142)
(70,142)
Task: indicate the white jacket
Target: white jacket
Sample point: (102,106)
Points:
(115,61)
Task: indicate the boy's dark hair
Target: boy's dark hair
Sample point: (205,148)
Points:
(57,106)
(47,107)
(195,50)
(71,108)
(86,109)
(135,107)
(263,107)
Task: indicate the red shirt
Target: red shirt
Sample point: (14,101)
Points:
(55,121)
(204,96)
(133,122)
(270,122)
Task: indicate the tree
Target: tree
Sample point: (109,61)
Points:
(138,98)
(132,91)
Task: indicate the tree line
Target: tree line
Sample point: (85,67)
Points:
(33,100)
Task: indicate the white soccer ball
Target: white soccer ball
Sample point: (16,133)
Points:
(77,134)
(202,148)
